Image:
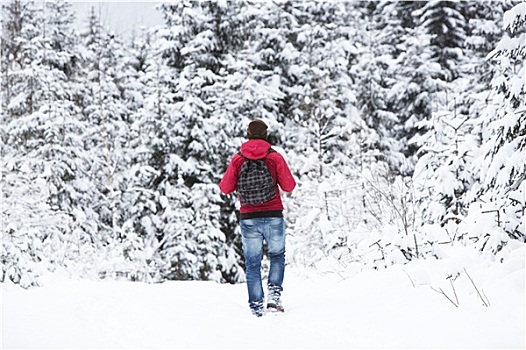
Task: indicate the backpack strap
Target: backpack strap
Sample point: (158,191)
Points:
(270,150)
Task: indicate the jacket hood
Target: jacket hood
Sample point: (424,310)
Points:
(255,149)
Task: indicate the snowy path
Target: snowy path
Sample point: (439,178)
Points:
(373,309)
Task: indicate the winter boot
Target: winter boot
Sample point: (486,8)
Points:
(257,308)
(274,299)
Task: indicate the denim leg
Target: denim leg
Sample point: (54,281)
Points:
(252,237)
(275,237)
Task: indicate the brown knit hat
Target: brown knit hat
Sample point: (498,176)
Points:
(257,129)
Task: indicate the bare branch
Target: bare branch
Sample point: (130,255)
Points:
(413,283)
(440,291)
(454,291)
(484,299)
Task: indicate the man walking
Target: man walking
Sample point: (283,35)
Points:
(261,212)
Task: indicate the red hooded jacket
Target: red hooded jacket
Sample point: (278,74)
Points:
(258,149)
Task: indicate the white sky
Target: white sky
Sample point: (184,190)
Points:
(121,16)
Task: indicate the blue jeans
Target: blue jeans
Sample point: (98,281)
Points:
(254,232)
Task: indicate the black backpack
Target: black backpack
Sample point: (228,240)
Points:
(255,184)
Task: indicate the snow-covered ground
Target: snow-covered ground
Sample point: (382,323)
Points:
(399,307)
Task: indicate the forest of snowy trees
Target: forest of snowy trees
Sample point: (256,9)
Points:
(404,124)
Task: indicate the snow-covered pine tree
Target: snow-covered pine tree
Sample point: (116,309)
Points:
(13,33)
(473,93)
(379,156)
(104,105)
(374,78)
(197,44)
(145,98)
(316,83)
(393,84)
(503,164)
(19,29)
(442,131)
(484,31)
(45,161)
(448,172)
(415,74)
(443,173)
(445,22)
(158,211)
(332,142)
(21,239)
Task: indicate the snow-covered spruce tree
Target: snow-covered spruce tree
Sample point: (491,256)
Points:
(137,206)
(447,175)
(21,248)
(443,172)
(445,146)
(45,161)
(416,81)
(374,78)
(159,210)
(473,92)
(107,138)
(13,27)
(270,53)
(374,152)
(19,29)
(441,25)
(326,134)
(315,82)
(158,228)
(198,45)
(503,164)
(445,21)
(484,31)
